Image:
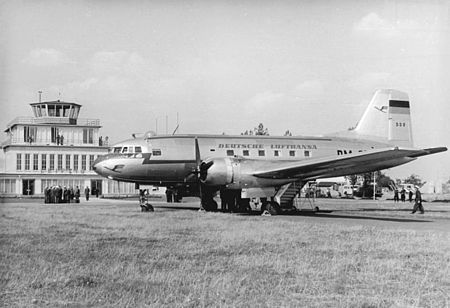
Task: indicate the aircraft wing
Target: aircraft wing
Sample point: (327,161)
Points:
(361,162)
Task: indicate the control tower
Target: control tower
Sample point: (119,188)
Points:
(52,147)
(55,123)
(56,112)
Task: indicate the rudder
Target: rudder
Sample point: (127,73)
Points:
(387,118)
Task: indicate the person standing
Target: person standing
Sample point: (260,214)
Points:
(77,195)
(46,194)
(395,195)
(410,195)
(418,202)
(403,195)
(169,195)
(86,193)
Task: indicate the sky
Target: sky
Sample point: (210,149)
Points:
(225,66)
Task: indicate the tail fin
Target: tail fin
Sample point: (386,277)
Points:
(387,118)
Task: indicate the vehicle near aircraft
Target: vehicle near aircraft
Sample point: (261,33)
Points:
(268,167)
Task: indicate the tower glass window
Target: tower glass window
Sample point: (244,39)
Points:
(67,161)
(52,162)
(27,161)
(19,161)
(60,161)
(43,161)
(35,161)
(88,135)
(91,162)
(75,162)
(83,162)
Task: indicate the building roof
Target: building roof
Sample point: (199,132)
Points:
(57,102)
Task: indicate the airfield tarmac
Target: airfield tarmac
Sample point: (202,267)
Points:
(347,212)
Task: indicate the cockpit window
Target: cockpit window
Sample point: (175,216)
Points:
(117,149)
(156,152)
(125,150)
(137,149)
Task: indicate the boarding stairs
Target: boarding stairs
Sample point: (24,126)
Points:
(287,193)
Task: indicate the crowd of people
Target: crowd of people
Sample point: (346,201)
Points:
(63,194)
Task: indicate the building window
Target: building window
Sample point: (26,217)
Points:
(307,154)
(88,135)
(91,162)
(156,152)
(52,162)
(75,162)
(291,153)
(83,162)
(230,152)
(261,153)
(27,161)
(245,152)
(35,161)
(29,134)
(7,186)
(276,153)
(125,150)
(67,162)
(138,149)
(60,161)
(44,162)
(55,133)
(19,162)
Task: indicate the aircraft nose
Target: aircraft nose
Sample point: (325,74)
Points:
(97,163)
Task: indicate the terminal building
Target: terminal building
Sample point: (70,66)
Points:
(54,147)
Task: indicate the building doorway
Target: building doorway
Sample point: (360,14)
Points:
(96,187)
(28,187)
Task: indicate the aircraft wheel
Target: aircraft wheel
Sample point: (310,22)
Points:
(209,205)
(273,208)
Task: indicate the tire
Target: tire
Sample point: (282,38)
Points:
(273,208)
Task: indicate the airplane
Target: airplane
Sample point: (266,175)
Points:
(272,168)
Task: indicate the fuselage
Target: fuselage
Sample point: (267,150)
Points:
(169,160)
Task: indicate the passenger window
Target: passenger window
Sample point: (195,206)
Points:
(125,150)
(307,154)
(230,152)
(245,153)
(261,153)
(291,153)
(276,153)
(156,152)
(138,150)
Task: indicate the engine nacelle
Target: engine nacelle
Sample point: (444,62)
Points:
(235,173)
(217,171)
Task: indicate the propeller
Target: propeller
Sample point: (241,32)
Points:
(201,171)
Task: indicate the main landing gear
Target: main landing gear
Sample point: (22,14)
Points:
(207,199)
(270,207)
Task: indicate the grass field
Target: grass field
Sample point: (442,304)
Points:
(107,253)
